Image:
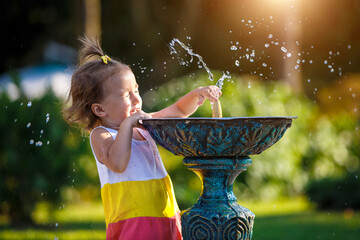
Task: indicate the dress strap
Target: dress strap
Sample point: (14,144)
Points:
(152,143)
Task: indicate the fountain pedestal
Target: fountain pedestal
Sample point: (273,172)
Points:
(217,150)
(216,215)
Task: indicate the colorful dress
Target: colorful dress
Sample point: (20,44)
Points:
(139,203)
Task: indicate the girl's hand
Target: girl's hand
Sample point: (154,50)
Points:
(134,119)
(210,92)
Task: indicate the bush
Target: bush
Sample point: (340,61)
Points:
(338,194)
(38,155)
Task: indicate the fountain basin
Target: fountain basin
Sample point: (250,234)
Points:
(217,150)
(217,137)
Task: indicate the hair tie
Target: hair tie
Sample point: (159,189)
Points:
(105,59)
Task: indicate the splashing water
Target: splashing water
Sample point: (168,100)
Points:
(219,83)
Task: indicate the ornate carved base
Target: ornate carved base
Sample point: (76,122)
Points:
(217,225)
(216,215)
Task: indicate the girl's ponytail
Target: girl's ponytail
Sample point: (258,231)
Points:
(90,50)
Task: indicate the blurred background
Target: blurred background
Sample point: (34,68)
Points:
(285,57)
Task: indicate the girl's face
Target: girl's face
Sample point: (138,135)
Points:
(122,98)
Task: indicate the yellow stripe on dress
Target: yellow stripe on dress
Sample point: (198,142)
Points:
(130,199)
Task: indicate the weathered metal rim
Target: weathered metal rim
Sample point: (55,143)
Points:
(195,119)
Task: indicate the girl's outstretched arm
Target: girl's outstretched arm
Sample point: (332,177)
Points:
(189,103)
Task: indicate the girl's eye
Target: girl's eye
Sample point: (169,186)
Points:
(126,95)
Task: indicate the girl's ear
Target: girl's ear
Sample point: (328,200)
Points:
(98,110)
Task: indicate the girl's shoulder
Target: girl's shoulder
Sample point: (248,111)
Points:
(101,135)
(100,130)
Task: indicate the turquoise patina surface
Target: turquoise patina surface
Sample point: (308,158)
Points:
(217,150)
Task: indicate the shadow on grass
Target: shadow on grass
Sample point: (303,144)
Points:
(83,225)
(307,226)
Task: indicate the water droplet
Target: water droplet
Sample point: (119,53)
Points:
(38,143)
(237,63)
(28,125)
(267,45)
(349,46)
(270,36)
(29,104)
(252,53)
(48,142)
(288,54)
(264,65)
(41,131)
(283,49)
(233,48)
(31,141)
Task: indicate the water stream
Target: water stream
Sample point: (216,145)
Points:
(219,83)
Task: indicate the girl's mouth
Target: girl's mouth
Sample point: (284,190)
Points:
(134,111)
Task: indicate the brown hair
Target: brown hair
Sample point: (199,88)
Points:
(87,83)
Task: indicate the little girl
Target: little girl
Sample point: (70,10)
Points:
(136,191)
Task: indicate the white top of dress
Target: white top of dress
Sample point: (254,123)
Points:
(145,161)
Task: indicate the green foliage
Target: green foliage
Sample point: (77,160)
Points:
(38,155)
(339,193)
(314,147)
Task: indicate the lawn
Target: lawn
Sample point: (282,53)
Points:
(292,219)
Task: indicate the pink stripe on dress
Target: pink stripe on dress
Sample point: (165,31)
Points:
(149,228)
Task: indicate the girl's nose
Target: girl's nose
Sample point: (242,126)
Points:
(136,98)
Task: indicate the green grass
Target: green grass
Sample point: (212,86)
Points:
(76,221)
(287,219)
(307,226)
